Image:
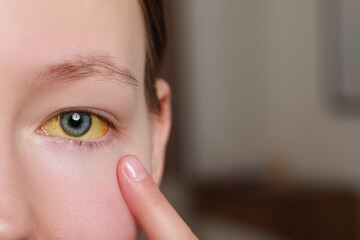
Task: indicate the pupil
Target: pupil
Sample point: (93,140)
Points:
(75,124)
(75,120)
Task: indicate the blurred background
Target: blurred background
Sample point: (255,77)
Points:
(266,124)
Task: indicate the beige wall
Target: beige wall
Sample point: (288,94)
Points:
(254,86)
(226,100)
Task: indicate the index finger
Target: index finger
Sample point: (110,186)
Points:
(153,212)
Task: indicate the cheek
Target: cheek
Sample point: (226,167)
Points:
(84,210)
(75,195)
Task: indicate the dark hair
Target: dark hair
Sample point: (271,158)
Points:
(154,17)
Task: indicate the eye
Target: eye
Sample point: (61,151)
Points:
(77,125)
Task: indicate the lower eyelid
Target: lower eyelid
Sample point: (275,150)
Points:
(108,139)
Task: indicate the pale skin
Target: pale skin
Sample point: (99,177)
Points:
(53,188)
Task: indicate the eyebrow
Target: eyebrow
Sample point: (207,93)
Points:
(82,67)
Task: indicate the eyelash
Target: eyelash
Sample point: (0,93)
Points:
(84,143)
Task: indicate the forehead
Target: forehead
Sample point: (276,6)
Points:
(35,33)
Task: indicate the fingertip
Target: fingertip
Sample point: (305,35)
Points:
(131,167)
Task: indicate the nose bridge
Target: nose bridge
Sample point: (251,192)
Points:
(16,220)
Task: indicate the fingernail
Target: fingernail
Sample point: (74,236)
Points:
(134,169)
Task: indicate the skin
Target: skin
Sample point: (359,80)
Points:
(51,189)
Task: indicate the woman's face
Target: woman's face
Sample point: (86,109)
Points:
(58,61)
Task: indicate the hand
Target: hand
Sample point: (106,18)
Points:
(157,218)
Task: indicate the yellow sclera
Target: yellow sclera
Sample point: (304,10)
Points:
(97,129)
